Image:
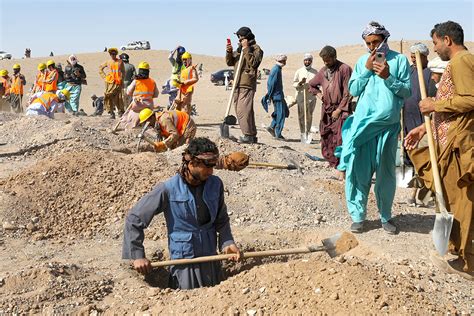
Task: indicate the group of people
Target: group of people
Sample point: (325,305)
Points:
(358,142)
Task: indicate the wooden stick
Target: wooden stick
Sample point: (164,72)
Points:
(234,84)
(270,165)
(431,145)
(244,255)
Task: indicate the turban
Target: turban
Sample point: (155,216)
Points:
(280,57)
(437,65)
(72,59)
(422,48)
(374,28)
(308,56)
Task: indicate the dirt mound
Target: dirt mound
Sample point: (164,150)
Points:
(80,193)
(65,285)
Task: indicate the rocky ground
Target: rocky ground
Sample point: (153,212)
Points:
(66,190)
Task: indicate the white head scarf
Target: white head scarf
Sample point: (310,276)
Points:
(308,56)
(281,57)
(422,48)
(437,65)
(72,59)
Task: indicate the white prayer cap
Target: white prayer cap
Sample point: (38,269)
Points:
(308,56)
(422,48)
(281,57)
(437,65)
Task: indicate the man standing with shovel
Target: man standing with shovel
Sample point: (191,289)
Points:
(453,131)
(245,81)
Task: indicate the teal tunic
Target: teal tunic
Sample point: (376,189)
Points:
(369,136)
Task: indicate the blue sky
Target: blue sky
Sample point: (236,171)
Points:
(202,26)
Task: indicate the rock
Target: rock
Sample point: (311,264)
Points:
(246,290)
(31,227)
(233,311)
(334,296)
(317,290)
(9,226)
(262,289)
(251,312)
(35,220)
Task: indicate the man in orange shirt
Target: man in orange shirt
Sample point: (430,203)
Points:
(113,83)
(16,89)
(51,81)
(40,77)
(188,78)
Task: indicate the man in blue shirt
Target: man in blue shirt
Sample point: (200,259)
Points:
(381,81)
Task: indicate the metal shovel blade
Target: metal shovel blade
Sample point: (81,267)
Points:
(441,232)
(340,243)
(224,130)
(403,176)
(308,138)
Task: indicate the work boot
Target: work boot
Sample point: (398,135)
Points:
(112,115)
(390,228)
(271,131)
(248,139)
(281,138)
(357,227)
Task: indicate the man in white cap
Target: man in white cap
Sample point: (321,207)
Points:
(75,77)
(276,96)
(303,76)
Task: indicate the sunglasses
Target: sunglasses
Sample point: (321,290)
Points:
(209,163)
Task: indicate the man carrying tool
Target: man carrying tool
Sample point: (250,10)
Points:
(175,127)
(246,81)
(331,86)
(142,90)
(196,217)
(187,80)
(370,135)
(276,96)
(113,83)
(47,103)
(453,132)
(51,81)
(303,76)
(16,89)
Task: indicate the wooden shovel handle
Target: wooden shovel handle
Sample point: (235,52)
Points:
(431,146)
(120,119)
(270,165)
(234,84)
(244,255)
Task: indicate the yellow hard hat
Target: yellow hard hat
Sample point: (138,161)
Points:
(186,55)
(66,93)
(16,66)
(41,66)
(3,72)
(50,62)
(113,49)
(143,65)
(145,114)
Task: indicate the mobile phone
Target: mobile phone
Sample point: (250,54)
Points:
(380,57)
(228,41)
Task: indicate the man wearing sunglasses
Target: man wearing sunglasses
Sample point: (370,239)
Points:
(196,219)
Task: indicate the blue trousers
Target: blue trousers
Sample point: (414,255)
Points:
(278,115)
(376,155)
(75,90)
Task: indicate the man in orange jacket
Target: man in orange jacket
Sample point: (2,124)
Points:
(16,89)
(113,83)
(188,78)
(51,81)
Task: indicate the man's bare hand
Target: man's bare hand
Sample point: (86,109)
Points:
(369,64)
(244,42)
(228,48)
(427,105)
(381,70)
(142,265)
(336,113)
(414,136)
(232,249)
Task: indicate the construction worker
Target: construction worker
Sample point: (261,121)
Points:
(40,78)
(5,81)
(47,103)
(16,89)
(52,75)
(175,127)
(141,90)
(113,83)
(188,78)
(128,77)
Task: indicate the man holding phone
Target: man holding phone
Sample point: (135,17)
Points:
(381,80)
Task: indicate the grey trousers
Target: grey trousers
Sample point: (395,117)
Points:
(243,103)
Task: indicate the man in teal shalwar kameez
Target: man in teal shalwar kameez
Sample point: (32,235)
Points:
(369,136)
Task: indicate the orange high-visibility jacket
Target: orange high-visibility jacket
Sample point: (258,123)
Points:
(45,99)
(52,86)
(187,73)
(17,85)
(6,84)
(40,77)
(115,75)
(180,120)
(144,88)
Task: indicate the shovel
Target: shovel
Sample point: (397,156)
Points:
(230,119)
(291,166)
(334,246)
(114,130)
(306,137)
(444,220)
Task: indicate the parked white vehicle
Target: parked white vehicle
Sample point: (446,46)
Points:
(136,45)
(5,55)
